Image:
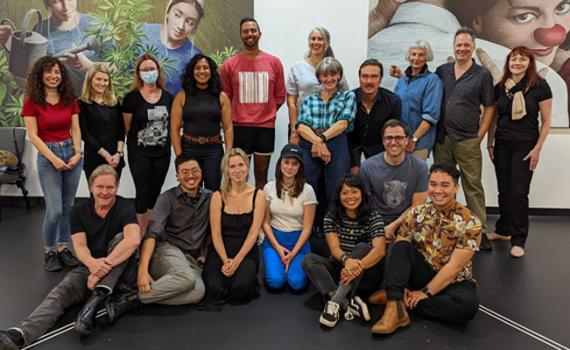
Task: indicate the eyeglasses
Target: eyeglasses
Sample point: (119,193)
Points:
(193,171)
(398,139)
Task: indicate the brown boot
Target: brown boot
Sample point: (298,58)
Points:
(378,298)
(395,316)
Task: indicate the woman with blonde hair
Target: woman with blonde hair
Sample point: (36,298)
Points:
(101,122)
(146,114)
(236,215)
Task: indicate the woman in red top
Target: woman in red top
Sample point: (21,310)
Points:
(50,114)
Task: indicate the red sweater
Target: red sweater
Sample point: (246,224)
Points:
(54,121)
(256,87)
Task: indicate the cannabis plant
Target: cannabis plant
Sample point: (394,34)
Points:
(11,97)
(220,56)
(117,28)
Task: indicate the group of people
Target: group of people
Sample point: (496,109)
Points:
(198,240)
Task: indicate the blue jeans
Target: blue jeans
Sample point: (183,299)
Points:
(209,156)
(336,169)
(275,275)
(59,188)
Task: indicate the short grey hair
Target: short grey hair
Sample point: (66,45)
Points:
(104,169)
(465,30)
(422,45)
(328,65)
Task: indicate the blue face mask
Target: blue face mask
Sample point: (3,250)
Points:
(149,77)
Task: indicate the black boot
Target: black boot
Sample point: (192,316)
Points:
(86,317)
(121,305)
(11,340)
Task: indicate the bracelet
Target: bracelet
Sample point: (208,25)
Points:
(80,152)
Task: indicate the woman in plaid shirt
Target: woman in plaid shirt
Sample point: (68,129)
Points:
(324,119)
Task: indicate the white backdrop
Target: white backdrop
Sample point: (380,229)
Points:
(285,26)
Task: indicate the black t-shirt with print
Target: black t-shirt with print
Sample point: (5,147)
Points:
(525,129)
(100,231)
(149,133)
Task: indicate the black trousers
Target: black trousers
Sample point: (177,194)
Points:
(324,273)
(513,181)
(406,268)
(148,174)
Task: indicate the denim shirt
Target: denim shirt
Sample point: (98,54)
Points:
(421,100)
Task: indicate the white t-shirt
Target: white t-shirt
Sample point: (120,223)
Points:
(286,212)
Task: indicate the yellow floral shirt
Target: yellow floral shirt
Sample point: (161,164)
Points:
(436,234)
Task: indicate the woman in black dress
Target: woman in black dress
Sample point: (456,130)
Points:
(101,122)
(518,138)
(236,215)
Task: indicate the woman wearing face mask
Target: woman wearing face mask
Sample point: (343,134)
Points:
(302,80)
(101,121)
(201,109)
(170,39)
(421,92)
(515,140)
(146,114)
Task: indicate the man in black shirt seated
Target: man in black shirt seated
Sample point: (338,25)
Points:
(105,236)
(169,271)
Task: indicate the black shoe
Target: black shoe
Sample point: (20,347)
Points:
(485,244)
(67,258)
(86,317)
(51,262)
(121,305)
(8,341)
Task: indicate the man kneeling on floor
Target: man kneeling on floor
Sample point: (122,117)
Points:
(429,270)
(169,272)
(105,236)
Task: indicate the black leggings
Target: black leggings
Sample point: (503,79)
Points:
(148,175)
(407,268)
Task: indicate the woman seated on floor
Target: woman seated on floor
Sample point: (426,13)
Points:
(236,214)
(355,236)
(291,205)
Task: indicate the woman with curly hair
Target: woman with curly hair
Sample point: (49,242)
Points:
(199,109)
(50,114)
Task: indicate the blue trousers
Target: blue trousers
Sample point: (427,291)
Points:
(59,188)
(275,275)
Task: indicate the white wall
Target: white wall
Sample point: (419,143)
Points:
(285,26)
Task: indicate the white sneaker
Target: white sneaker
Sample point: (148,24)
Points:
(358,308)
(329,317)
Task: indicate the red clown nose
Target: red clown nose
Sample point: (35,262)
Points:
(550,36)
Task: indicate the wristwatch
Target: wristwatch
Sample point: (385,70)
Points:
(343,259)
(425,290)
(414,139)
(323,137)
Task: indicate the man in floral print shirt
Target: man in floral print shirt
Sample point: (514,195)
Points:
(430,267)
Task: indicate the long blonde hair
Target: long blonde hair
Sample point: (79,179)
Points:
(225,166)
(87,94)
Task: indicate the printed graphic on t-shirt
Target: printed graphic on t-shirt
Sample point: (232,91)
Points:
(394,193)
(156,131)
(253,87)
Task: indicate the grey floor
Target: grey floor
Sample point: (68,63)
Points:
(529,295)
